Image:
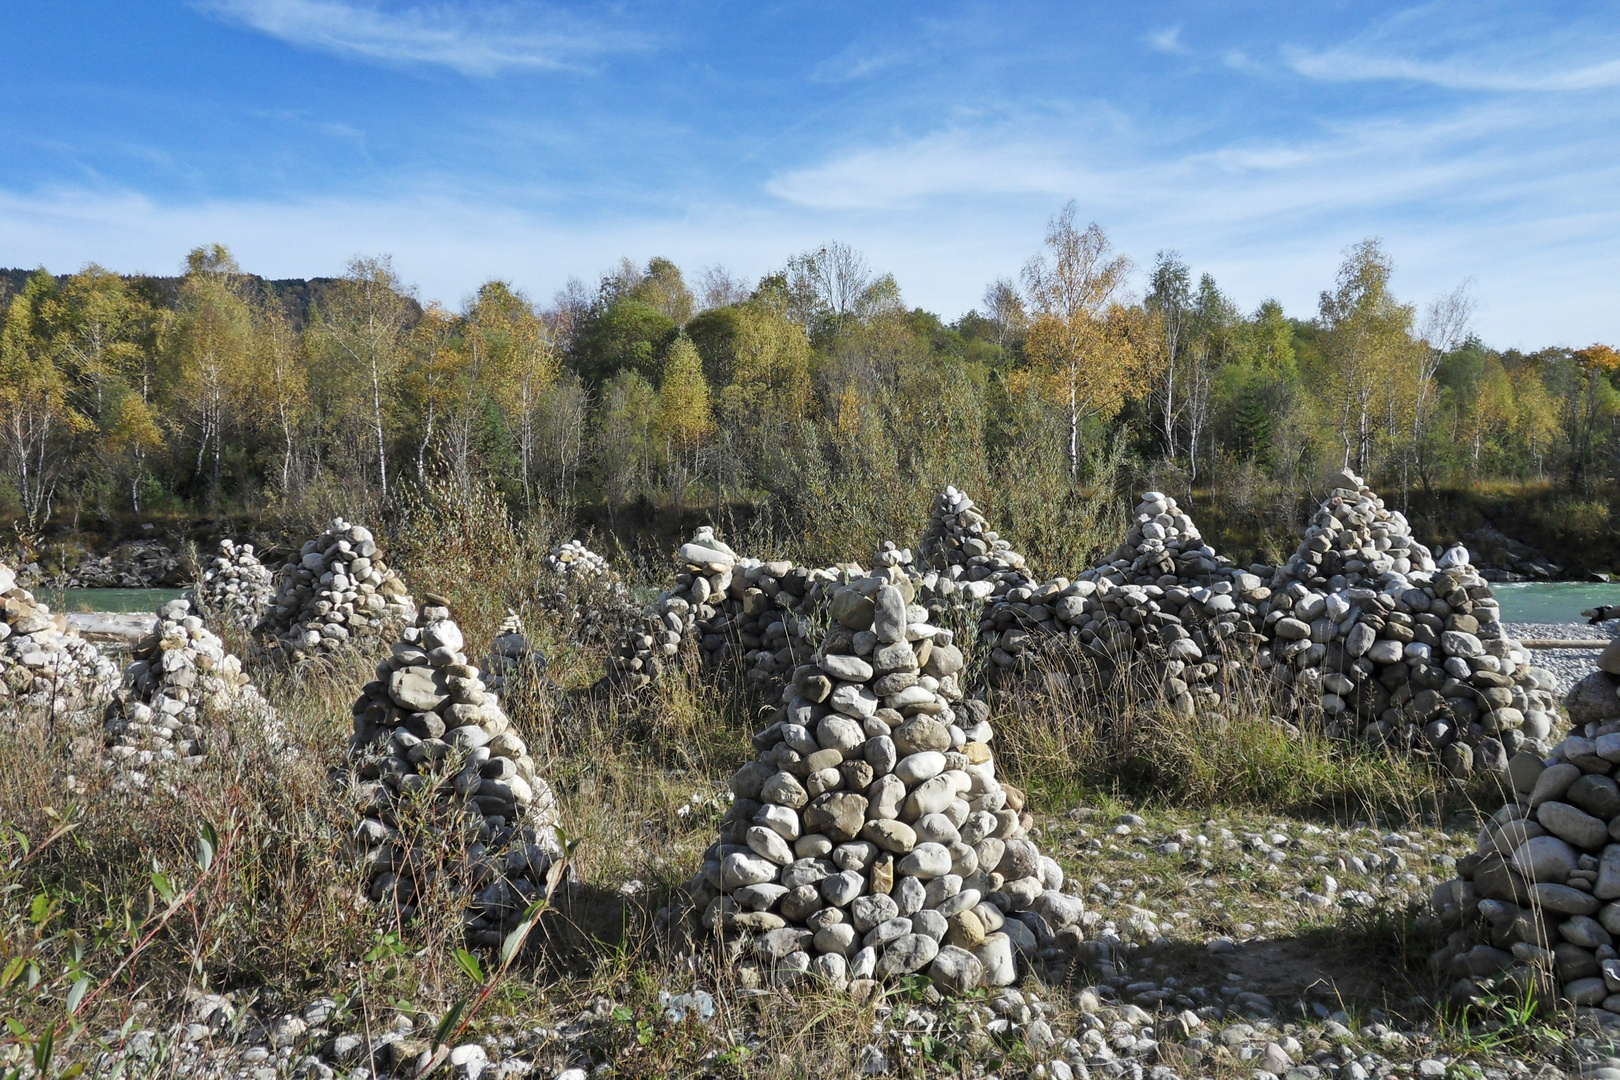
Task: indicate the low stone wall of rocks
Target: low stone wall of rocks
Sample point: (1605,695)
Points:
(180,680)
(235,589)
(429,730)
(871,838)
(1164,611)
(46,669)
(1537,907)
(338,594)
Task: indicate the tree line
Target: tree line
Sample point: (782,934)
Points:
(815,391)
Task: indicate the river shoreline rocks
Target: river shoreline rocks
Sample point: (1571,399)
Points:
(871,838)
(337,595)
(45,668)
(181,680)
(433,755)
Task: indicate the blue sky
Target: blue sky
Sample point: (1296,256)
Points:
(535,141)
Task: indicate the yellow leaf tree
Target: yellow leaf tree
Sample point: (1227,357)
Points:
(1084,348)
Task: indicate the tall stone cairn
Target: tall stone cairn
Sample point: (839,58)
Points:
(235,589)
(338,594)
(871,838)
(1163,606)
(1537,906)
(1397,648)
(180,680)
(429,725)
(701,584)
(962,556)
(581,586)
(45,668)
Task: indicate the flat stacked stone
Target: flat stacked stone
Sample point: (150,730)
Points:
(182,677)
(511,661)
(45,668)
(429,727)
(1538,904)
(235,588)
(1163,609)
(338,594)
(871,838)
(963,557)
(1395,647)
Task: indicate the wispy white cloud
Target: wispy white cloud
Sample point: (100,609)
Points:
(1458,73)
(854,63)
(1168,40)
(483,41)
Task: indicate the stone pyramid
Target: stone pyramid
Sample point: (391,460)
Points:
(181,678)
(235,588)
(1353,538)
(871,837)
(1163,599)
(338,594)
(429,726)
(1399,648)
(512,662)
(963,555)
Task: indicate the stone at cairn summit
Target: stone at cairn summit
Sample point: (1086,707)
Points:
(871,838)
(337,594)
(429,727)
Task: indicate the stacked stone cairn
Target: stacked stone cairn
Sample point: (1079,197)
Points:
(45,668)
(428,730)
(963,557)
(180,680)
(235,589)
(871,838)
(1397,648)
(1538,905)
(338,594)
(760,616)
(580,585)
(575,561)
(511,662)
(701,584)
(1163,614)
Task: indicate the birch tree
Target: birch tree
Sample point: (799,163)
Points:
(1073,348)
